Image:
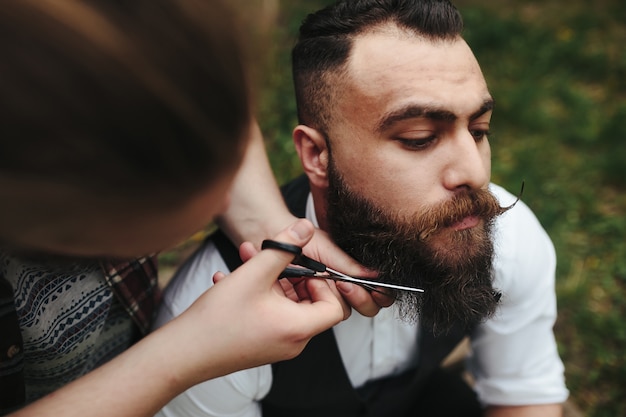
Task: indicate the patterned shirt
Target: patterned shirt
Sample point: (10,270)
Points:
(60,321)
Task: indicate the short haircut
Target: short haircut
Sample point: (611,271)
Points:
(326,39)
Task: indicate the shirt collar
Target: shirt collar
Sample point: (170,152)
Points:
(310,211)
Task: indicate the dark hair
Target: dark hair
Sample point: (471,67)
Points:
(326,38)
(123,98)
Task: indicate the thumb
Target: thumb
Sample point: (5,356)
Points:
(271,262)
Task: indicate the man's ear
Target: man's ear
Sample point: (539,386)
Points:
(313,151)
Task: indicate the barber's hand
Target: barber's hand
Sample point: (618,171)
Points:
(367,303)
(247,320)
(322,248)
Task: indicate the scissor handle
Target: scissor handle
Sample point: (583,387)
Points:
(300,259)
(296,272)
(285,247)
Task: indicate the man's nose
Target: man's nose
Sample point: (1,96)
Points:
(469,162)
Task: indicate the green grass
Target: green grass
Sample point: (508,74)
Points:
(559,76)
(558,72)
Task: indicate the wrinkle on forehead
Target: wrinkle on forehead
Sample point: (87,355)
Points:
(381,54)
(391,67)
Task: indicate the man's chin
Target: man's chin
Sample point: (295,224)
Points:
(455,247)
(443,308)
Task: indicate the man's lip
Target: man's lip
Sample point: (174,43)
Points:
(467,223)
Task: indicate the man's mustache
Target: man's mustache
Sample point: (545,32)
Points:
(472,203)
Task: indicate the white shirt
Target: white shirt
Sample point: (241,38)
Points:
(514,360)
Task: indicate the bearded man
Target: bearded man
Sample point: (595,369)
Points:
(394,119)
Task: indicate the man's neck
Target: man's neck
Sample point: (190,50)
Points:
(320,208)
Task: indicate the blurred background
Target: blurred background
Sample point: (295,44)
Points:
(557,69)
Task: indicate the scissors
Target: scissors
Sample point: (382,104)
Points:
(311,268)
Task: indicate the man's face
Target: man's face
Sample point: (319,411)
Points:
(409,166)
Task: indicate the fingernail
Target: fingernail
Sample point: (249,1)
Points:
(301,229)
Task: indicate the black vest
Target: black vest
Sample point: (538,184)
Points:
(316,383)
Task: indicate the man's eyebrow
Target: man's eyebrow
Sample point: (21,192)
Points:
(412,111)
(488,105)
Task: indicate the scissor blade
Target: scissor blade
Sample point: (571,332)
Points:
(348,278)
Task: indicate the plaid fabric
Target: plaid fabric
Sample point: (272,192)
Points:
(135,283)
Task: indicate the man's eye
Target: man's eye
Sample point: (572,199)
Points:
(479,134)
(417,144)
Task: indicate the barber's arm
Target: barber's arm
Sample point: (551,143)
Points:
(243,321)
(257,211)
(547,410)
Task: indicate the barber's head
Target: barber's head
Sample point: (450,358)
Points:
(122,123)
(394,114)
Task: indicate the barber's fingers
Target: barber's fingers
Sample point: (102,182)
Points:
(381,299)
(271,262)
(247,251)
(326,308)
(218,276)
(323,248)
(365,302)
(347,309)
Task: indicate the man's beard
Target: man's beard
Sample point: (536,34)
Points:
(453,267)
